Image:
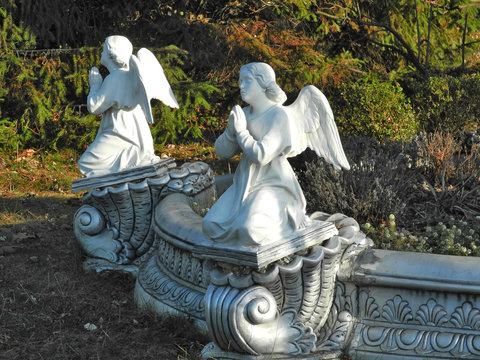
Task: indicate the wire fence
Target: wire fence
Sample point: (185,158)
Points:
(80,109)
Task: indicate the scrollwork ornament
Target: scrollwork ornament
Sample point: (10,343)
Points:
(429,333)
(116,222)
(247,321)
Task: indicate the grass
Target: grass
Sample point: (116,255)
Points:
(46,299)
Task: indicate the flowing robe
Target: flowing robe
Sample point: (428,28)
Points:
(123,139)
(265,201)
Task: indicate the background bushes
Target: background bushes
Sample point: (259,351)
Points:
(445,102)
(375,108)
(384,80)
(379,183)
(43,95)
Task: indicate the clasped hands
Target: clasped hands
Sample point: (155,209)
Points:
(95,78)
(237,122)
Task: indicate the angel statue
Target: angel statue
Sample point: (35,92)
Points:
(124,139)
(265,201)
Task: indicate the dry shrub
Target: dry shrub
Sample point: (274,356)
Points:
(437,154)
(380,181)
(451,176)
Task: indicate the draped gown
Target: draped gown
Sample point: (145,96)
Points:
(123,139)
(265,201)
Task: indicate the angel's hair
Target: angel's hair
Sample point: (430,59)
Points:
(265,77)
(119,49)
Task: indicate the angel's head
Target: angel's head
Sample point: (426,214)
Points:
(265,83)
(117,51)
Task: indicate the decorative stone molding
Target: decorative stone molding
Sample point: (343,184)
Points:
(415,306)
(114,226)
(428,331)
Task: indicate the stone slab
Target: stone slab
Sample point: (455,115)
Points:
(413,270)
(129,175)
(187,234)
(260,256)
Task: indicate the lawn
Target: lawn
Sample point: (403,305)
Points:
(46,300)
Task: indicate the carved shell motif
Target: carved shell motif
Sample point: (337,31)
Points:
(116,223)
(293,299)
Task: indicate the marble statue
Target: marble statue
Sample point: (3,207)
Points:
(123,99)
(265,200)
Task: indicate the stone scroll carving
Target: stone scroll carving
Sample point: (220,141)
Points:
(247,321)
(283,309)
(115,223)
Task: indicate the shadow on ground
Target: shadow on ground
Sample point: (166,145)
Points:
(46,299)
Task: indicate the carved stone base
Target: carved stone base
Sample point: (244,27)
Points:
(290,309)
(318,302)
(415,306)
(212,351)
(278,308)
(115,222)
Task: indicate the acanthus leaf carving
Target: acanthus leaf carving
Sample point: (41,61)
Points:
(430,332)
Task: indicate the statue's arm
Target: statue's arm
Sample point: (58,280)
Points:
(101,96)
(226,146)
(273,144)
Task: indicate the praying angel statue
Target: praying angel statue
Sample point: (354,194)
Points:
(265,201)
(123,99)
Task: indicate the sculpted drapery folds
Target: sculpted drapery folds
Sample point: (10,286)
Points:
(124,139)
(265,200)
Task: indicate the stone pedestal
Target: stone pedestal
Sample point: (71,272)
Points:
(114,226)
(318,295)
(254,302)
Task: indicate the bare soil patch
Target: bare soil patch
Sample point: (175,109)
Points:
(46,299)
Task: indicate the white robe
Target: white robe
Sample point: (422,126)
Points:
(124,139)
(265,201)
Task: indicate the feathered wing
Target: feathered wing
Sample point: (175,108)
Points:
(150,82)
(313,126)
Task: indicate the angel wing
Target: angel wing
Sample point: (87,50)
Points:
(150,82)
(313,126)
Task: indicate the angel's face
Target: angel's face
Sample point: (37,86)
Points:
(250,90)
(105,59)
(105,55)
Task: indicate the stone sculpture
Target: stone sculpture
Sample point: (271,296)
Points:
(114,225)
(123,99)
(265,202)
(311,289)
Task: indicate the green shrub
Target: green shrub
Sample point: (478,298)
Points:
(454,237)
(43,95)
(446,103)
(371,107)
(194,97)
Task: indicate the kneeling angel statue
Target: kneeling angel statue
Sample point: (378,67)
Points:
(123,99)
(265,201)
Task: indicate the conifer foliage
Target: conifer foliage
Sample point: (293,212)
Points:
(374,60)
